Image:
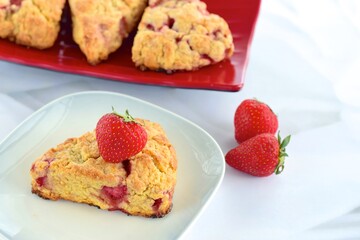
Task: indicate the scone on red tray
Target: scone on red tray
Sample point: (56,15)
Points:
(33,23)
(141,185)
(180,35)
(99,27)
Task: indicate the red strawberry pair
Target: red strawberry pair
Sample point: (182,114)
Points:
(259,152)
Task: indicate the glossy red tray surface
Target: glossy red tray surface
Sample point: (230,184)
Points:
(65,56)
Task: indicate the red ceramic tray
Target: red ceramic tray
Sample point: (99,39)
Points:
(65,56)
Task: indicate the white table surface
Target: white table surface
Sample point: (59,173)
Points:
(305,63)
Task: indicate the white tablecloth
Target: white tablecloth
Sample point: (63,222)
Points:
(305,63)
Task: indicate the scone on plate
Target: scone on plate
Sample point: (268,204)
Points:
(99,27)
(33,23)
(141,185)
(180,35)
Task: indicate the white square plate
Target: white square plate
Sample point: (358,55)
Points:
(23,215)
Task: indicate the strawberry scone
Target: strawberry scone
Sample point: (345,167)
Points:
(177,35)
(99,27)
(33,23)
(141,185)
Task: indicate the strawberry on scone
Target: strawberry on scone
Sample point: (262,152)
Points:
(119,137)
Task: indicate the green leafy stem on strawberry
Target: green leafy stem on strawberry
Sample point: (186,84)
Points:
(282,152)
(127,117)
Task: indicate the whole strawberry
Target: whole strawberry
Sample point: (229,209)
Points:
(119,137)
(259,156)
(252,118)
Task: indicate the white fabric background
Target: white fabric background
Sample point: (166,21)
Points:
(305,63)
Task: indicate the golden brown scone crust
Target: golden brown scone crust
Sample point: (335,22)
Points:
(99,27)
(33,23)
(180,35)
(143,185)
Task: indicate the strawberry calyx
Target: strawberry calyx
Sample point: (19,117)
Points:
(126,117)
(282,153)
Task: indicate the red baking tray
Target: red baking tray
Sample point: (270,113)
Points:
(65,55)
